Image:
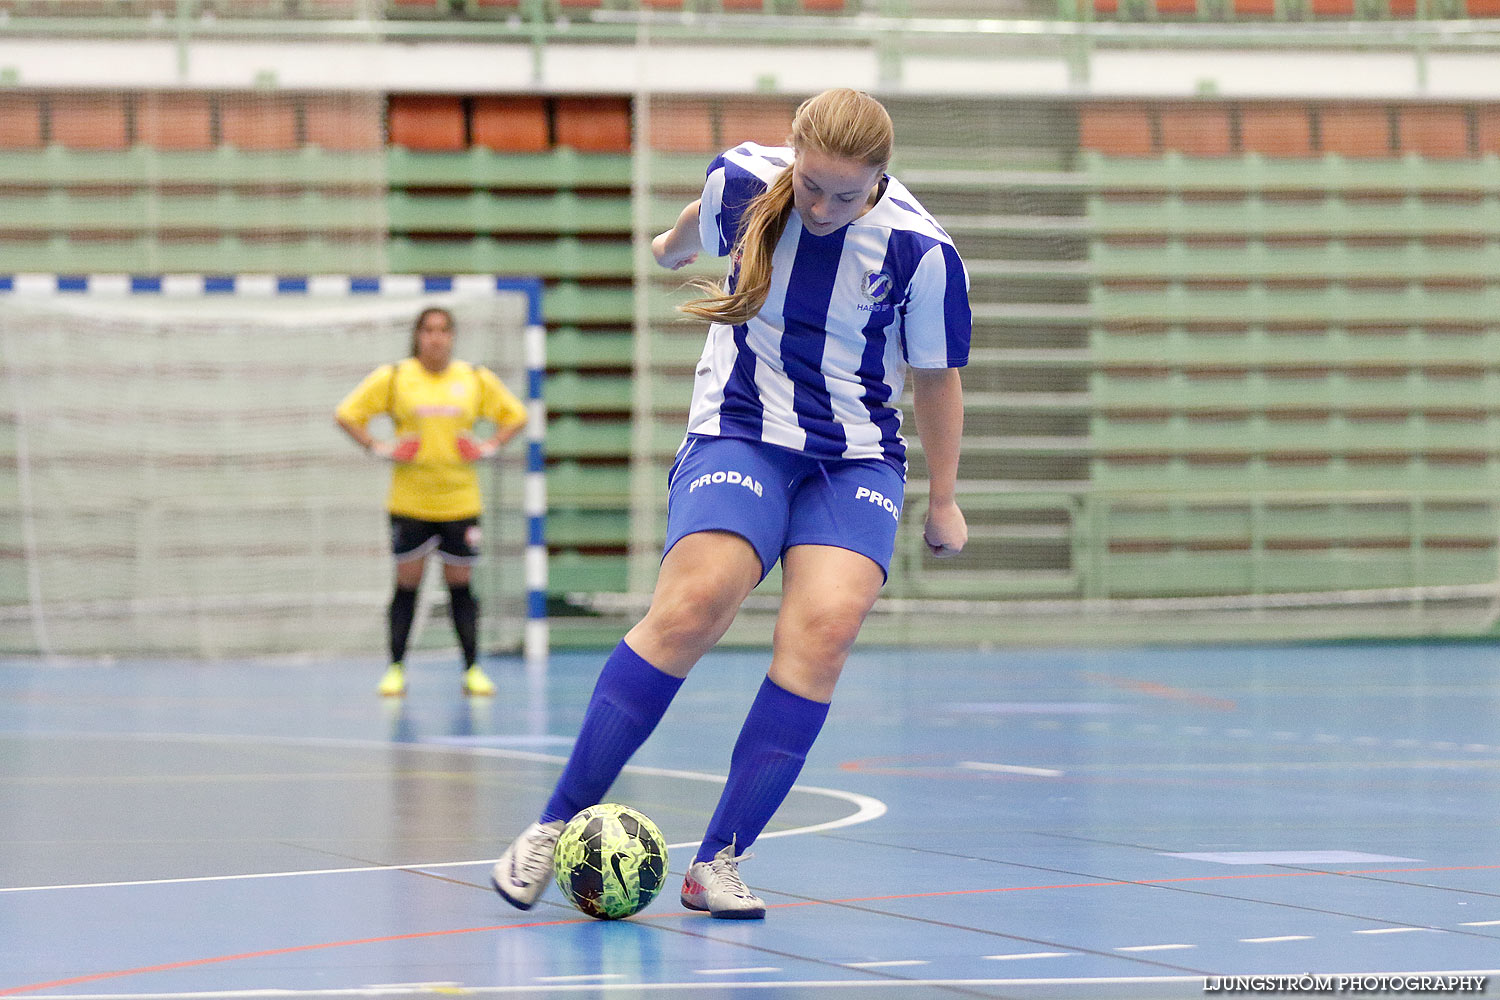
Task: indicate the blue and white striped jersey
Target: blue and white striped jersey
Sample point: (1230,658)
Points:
(821,367)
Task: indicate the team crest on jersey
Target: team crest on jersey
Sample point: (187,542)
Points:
(876,287)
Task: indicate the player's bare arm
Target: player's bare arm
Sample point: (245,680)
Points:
(680,245)
(938,402)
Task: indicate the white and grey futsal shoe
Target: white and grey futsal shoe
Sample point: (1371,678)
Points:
(715,886)
(524,870)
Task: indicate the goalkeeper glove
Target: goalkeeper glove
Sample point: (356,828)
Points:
(472,451)
(403,449)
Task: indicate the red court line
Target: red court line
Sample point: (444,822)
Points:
(420,935)
(1144,881)
(1156,690)
(271,952)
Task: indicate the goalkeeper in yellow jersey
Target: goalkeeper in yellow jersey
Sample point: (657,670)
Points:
(434,400)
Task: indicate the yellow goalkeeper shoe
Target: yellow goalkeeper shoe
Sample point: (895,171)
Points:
(393,684)
(476,682)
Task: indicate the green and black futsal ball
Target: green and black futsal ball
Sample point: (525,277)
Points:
(611,861)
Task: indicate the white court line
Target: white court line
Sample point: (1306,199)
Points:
(867,808)
(587,977)
(1399,930)
(1157,947)
(534,989)
(1482,923)
(1036,772)
(1029,954)
(885,965)
(688,987)
(737,972)
(1276,940)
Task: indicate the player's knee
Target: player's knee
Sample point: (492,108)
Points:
(688,619)
(826,629)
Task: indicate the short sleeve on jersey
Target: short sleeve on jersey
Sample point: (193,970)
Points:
(371,396)
(938,320)
(735,179)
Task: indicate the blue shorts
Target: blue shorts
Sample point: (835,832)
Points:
(775,498)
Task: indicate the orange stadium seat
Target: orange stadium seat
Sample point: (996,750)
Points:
(427,123)
(1355,130)
(1333,8)
(1435,131)
(1196,130)
(756,121)
(346,124)
(593,125)
(90,122)
(20,121)
(1254,8)
(823,6)
(662,4)
(1276,130)
(751,5)
(683,127)
(1177,8)
(511,124)
(1483,8)
(1117,130)
(1488,132)
(258,123)
(175,121)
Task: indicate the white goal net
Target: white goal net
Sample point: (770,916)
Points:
(173,482)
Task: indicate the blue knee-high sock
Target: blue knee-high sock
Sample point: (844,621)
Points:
(768,756)
(629,699)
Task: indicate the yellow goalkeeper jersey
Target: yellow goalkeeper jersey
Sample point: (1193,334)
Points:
(437,485)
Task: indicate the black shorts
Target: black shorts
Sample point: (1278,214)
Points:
(457,542)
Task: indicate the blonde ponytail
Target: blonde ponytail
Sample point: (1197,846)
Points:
(841,122)
(764,222)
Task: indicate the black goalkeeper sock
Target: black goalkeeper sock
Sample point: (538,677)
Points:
(403,610)
(465,611)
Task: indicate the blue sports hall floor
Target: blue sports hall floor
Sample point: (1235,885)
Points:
(1069,823)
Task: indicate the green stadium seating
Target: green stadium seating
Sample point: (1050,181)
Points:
(140,166)
(582,528)
(571,571)
(477,167)
(1334,260)
(1309,348)
(562,212)
(1294,365)
(1236,544)
(1256,215)
(1260,304)
(572,392)
(1309,471)
(1258,173)
(572,437)
(558,257)
(584,483)
(569,302)
(570,347)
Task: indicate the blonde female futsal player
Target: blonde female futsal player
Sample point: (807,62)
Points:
(434,401)
(839,281)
